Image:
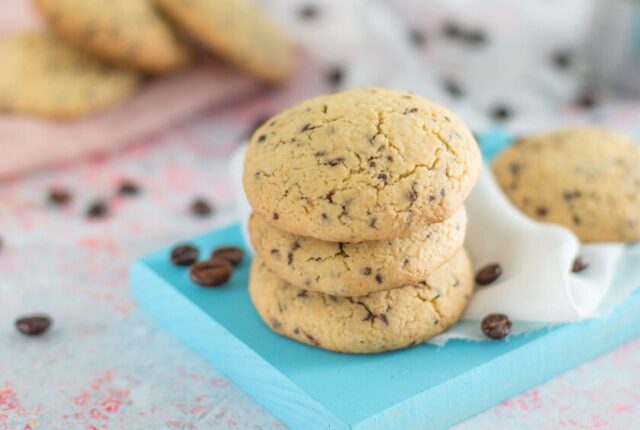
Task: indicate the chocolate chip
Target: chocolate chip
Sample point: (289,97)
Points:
(232,254)
(308,11)
(335,76)
(410,110)
(128,188)
(452,88)
(276,216)
(211,273)
(33,325)
(542,211)
(262,138)
(184,255)
(372,222)
(201,207)
(335,161)
(97,209)
(515,168)
(576,220)
(562,60)
(329,196)
(384,319)
(366,271)
(303,294)
(496,326)
(307,127)
(312,339)
(488,274)
(378,278)
(579,264)
(501,113)
(412,195)
(417,37)
(275,252)
(295,245)
(383,177)
(290,259)
(59,196)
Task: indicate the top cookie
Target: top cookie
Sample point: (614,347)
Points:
(586,179)
(39,74)
(237,32)
(364,164)
(126,32)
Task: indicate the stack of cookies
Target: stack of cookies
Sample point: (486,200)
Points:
(358,222)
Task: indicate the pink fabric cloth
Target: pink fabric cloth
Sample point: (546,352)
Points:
(28,143)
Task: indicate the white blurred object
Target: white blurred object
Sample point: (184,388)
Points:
(537,288)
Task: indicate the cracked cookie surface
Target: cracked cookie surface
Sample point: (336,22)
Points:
(39,74)
(376,322)
(357,269)
(236,31)
(126,32)
(586,179)
(363,164)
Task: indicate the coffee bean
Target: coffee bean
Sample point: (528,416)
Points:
(184,255)
(128,188)
(496,326)
(201,207)
(488,274)
(232,254)
(97,209)
(587,100)
(33,325)
(211,273)
(579,264)
(59,196)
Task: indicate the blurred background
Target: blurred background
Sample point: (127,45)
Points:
(152,169)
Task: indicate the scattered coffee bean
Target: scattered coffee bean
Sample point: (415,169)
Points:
(417,37)
(33,325)
(309,11)
(232,254)
(97,209)
(496,326)
(128,188)
(201,207)
(59,196)
(184,255)
(579,264)
(335,76)
(211,273)
(488,274)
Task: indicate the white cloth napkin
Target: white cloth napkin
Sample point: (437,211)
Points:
(537,288)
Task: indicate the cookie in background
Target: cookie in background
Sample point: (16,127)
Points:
(124,32)
(586,179)
(41,75)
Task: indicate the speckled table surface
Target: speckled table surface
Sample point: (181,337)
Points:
(105,365)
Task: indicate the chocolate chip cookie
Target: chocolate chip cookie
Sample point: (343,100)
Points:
(364,164)
(376,322)
(356,269)
(586,179)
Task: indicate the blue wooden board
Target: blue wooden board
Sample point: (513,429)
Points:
(424,387)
